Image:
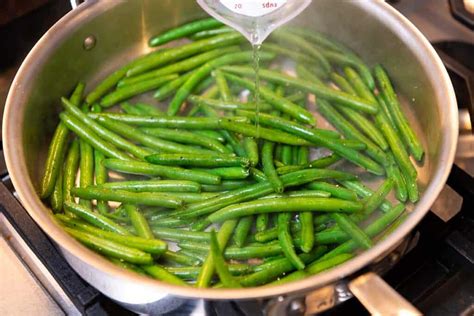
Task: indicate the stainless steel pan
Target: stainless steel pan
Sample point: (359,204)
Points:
(95,38)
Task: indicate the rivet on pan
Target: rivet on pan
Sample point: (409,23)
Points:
(89,42)
(297,306)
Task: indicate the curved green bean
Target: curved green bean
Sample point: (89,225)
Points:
(143,198)
(183,31)
(297,204)
(144,168)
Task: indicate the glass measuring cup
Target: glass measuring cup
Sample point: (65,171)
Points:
(255,19)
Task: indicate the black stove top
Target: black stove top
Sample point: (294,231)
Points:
(437,275)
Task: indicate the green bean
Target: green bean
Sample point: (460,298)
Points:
(139,222)
(91,137)
(271,270)
(142,198)
(263,133)
(86,166)
(153,186)
(340,55)
(229,173)
(171,222)
(225,185)
(394,173)
(94,218)
(186,137)
(56,152)
(191,273)
(211,134)
(372,230)
(221,83)
(319,90)
(351,229)
(316,138)
(307,231)
(179,235)
(261,222)
(286,154)
(147,244)
(384,109)
(57,149)
(299,193)
(269,168)
(195,254)
(211,32)
(397,114)
(296,204)
(286,241)
(169,121)
(57,197)
(100,178)
(184,91)
(148,140)
(161,274)
(277,102)
(128,91)
(363,123)
(334,190)
(316,267)
(295,40)
(242,230)
(169,88)
(207,269)
(111,248)
(412,188)
(127,266)
(145,168)
(383,124)
(293,54)
(191,197)
(70,170)
(365,192)
(338,121)
(140,109)
(184,65)
(232,139)
(103,132)
(324,162)
(322,40)
(180,258)
(220,265)
(303,155)
(305,74)
(374,201)
(250,251)
(251,149)
(183,31)
(257,174)
(227,105)
(154,60)
(255,191)
(198,160)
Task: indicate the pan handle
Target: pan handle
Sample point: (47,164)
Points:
(369,288)
(379,298)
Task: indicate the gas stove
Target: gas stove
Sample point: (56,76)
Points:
(436,275)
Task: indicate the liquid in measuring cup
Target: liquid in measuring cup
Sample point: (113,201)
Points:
(256,20)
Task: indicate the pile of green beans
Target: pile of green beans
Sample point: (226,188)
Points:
(219,190)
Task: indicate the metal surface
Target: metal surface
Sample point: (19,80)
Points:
(379,298)
(58,61)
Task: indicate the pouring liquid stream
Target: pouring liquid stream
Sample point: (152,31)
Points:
(256,66)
